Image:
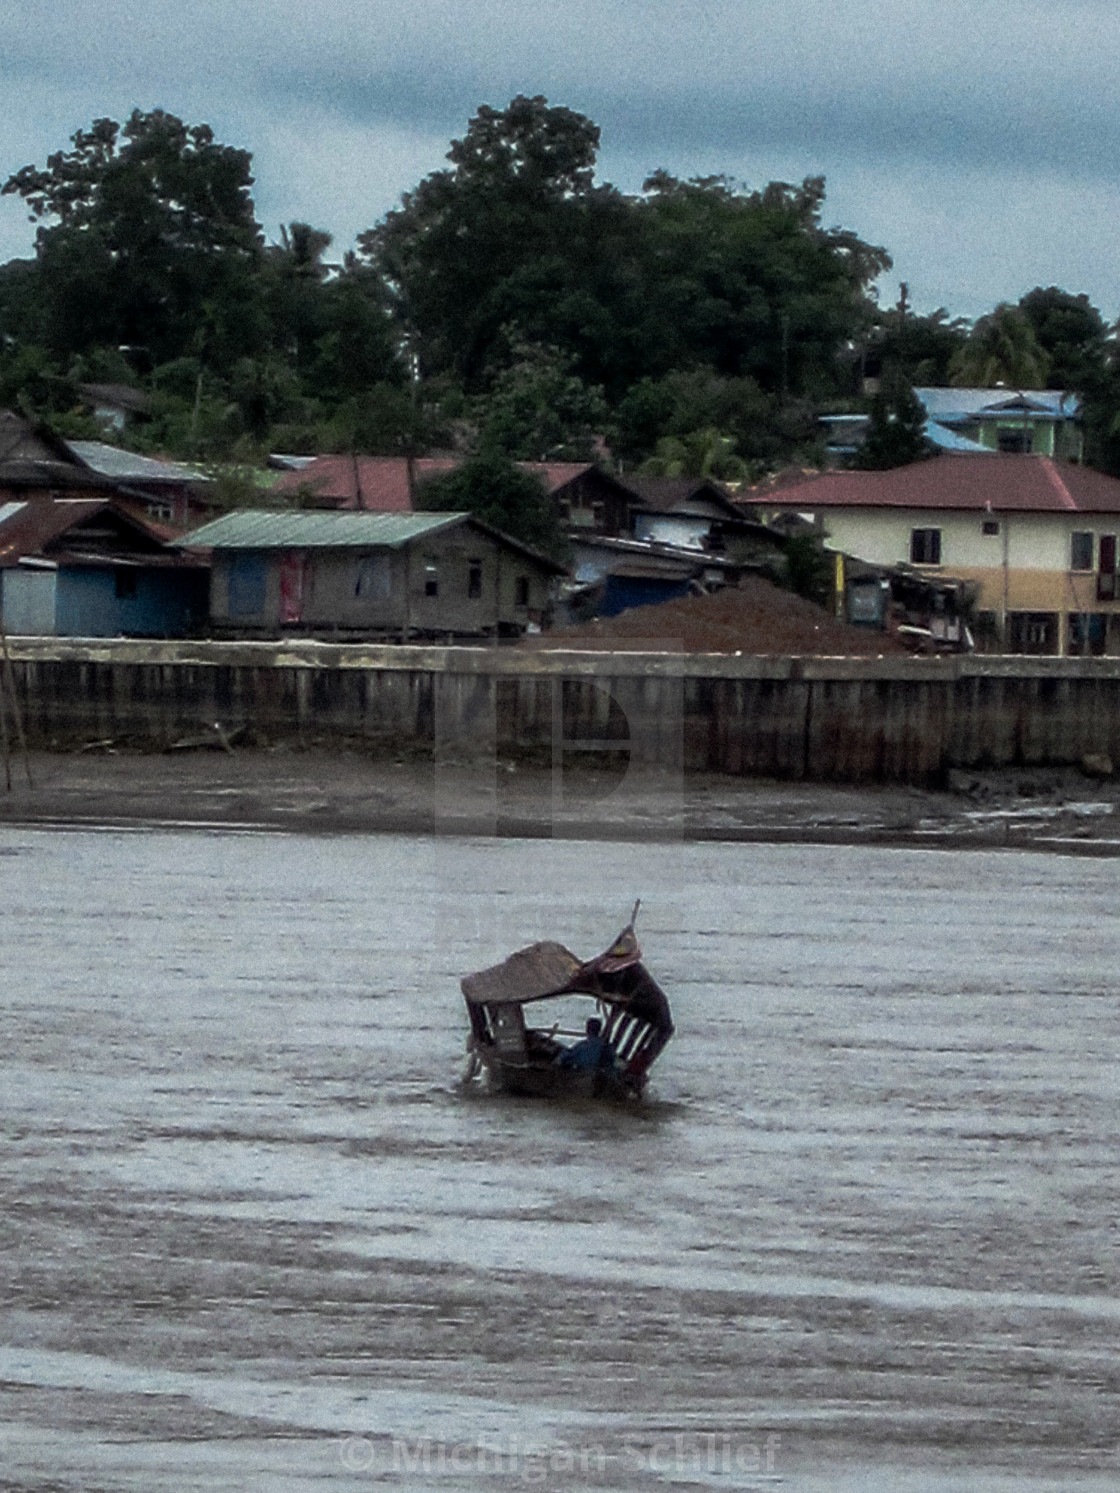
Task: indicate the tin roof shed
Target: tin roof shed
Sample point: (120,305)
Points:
(335,528)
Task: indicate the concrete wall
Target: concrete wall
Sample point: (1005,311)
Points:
(1035,541)
(842,720)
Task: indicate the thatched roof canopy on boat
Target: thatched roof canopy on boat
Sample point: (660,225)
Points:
(532,974)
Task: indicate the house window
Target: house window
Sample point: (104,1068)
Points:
(1081,551)
(248,579)
(990,526)
(431,576)
(125,585)
(375,578)
(1014,442)
(1106,568)
(1032,632)
(925,546)
(474,579)
(1087,633)
(521,591)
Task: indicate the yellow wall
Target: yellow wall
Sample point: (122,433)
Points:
(1034,541)
(1023,568)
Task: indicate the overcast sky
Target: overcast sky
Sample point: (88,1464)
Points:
(979,142)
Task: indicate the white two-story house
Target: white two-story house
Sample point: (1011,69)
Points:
(1039,538)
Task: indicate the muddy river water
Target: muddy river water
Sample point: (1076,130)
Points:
(864,1236)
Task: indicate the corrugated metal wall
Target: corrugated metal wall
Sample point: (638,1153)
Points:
(161,603)
(28,599)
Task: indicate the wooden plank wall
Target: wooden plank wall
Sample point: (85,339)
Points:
(840,720)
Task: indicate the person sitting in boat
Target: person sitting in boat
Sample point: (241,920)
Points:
(590,1054)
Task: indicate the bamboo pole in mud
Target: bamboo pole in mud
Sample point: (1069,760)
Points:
(4,750)
(10,699)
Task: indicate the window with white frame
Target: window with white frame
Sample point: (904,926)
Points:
(1080,551)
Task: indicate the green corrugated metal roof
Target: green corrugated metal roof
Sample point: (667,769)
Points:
(254,528)
(127,466)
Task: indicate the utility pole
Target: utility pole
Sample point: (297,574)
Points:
(785,357)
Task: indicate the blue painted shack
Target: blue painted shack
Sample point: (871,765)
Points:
(613,575)
(90,568)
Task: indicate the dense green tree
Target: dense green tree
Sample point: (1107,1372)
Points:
(1072,333)
(808,567)
(1001,349)
(920,348)
(34,382)
(697,399)
(1082,360)
(22,314)
(538,408)
(895,437)
(293,273)
(699,273)
(491,486)
(153,241)
(749,283)
(385,419)
(358,347)
(511,303)
(469,244)
(700,453)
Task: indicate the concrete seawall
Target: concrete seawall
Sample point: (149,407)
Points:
(825,719)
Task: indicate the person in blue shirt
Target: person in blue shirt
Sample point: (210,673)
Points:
(592,1053)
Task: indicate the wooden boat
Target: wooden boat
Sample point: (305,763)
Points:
(633,1012)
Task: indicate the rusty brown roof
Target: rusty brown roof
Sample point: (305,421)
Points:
(381,483)
(40,528)
(1007,483)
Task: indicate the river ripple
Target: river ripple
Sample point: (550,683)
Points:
(864,1235)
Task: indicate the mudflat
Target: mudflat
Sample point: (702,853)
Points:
(336,791)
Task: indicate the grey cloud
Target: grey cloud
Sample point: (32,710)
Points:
(997,128)
(874,92)
(979,81)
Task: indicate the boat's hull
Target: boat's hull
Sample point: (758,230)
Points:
(554,1082)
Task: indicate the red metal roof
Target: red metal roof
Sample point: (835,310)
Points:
(44,527)
(30,527)
(380,483)
(1013,484)
(557,474)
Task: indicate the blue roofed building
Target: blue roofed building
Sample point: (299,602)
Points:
(1037,422)
(971,422)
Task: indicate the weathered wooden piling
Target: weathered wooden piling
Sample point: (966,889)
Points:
(902,720)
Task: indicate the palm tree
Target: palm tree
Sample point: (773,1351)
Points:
(700,453)
(1001,349)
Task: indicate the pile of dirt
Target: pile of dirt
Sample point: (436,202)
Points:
(754,617)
